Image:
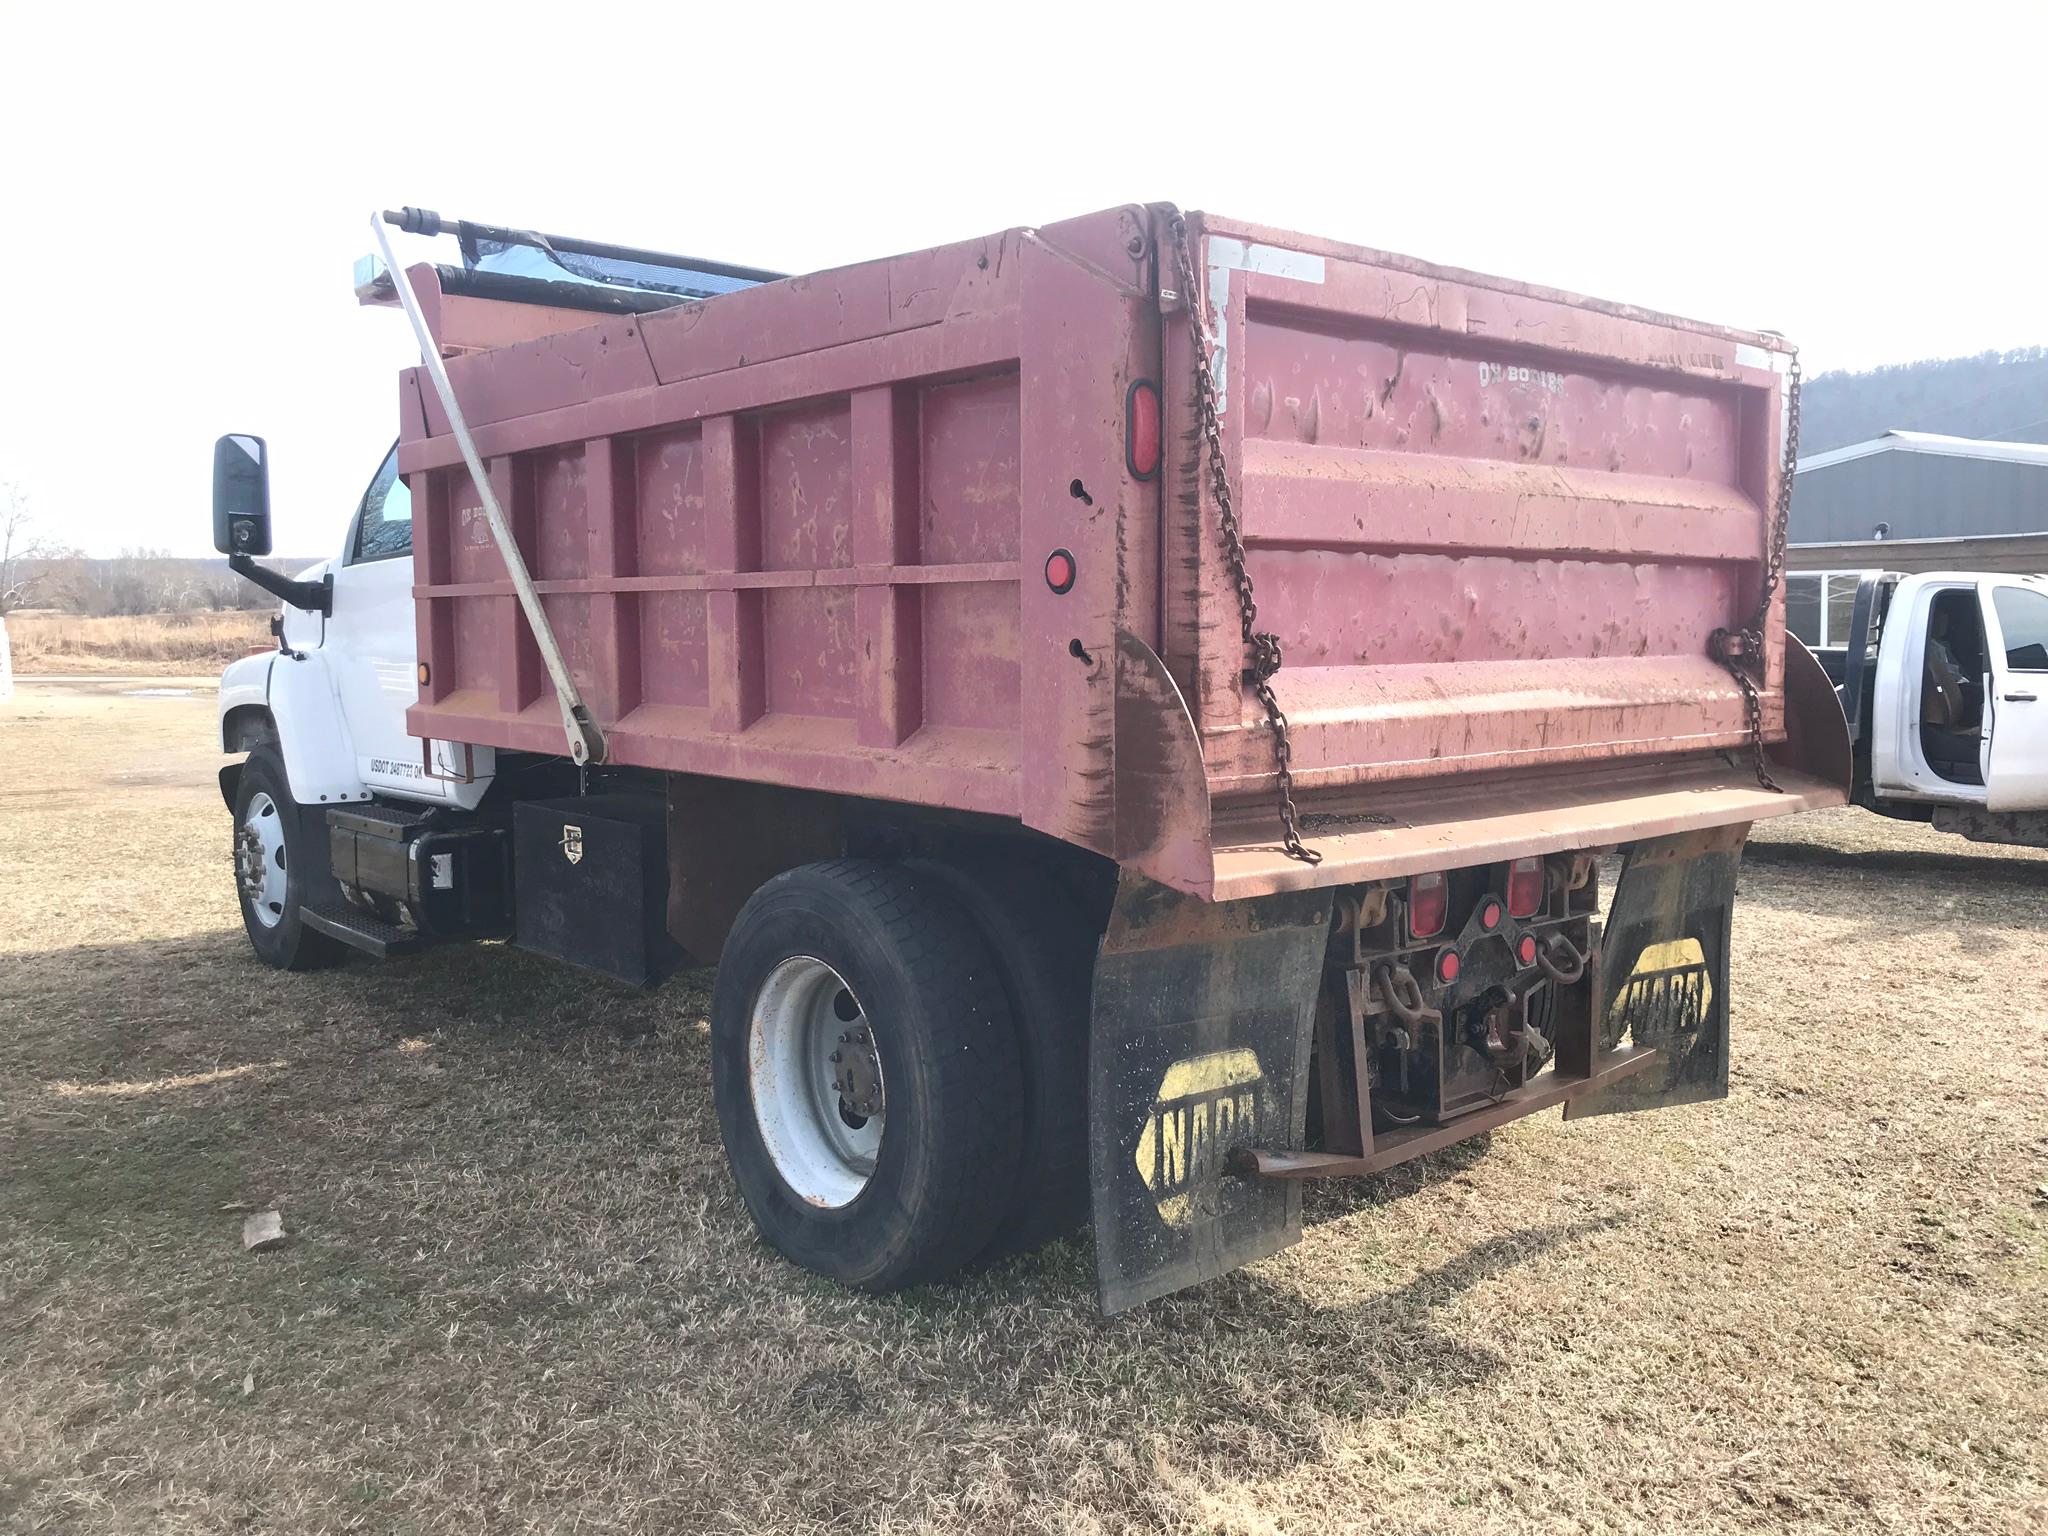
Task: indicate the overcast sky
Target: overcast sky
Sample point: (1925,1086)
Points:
(184,196)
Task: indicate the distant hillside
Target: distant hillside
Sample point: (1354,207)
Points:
(2001,395)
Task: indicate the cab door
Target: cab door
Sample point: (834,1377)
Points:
(2015,751)
(1899,768)
(371,641)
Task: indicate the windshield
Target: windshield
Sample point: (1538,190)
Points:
(483,255)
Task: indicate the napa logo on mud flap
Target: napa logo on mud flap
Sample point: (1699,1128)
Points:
(1206,1105)
(1670,992)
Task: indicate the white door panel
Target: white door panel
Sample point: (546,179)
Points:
(371,642)
(2015,754)
(1898,764)
(371,647)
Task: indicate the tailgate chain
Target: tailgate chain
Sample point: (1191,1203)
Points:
(1262,651)
(1742,651)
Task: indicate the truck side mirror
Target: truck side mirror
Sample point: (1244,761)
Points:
(241,495)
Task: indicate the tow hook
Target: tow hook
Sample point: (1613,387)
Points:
(1559,959)
(1403,997)
(1508,1038)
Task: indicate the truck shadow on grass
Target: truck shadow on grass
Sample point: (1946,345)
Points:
(1989,866)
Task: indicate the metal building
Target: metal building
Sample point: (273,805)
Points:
(1920,485)
(1910,501)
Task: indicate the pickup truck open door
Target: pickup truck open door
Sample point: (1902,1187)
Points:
(2016,698)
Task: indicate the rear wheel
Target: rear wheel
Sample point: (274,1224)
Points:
(865,1074)
(280,864)
(1044,951)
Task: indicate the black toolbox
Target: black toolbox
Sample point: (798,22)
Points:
(590,884)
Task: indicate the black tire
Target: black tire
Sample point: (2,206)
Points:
(286,944)
(1044,949)
(947,1158)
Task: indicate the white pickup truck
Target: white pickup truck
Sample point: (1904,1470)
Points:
(1943,677)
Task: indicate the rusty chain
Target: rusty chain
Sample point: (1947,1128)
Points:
(1742,651)
(1262,650)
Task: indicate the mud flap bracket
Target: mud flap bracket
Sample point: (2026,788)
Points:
(1199,1039)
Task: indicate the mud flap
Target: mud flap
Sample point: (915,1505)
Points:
(1663,978)
(1198,1045)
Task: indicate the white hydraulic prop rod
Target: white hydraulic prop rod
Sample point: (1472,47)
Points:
(586,741)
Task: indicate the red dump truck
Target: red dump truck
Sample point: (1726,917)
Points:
(1130,706)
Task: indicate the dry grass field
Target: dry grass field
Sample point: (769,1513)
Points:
(521,1295)
(58,644)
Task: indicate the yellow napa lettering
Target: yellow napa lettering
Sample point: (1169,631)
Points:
(1210,1074)
(1173,1147)
(1205,1104)
(1673,955)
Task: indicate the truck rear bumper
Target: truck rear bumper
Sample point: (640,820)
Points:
(1390,1151)
(1396,832)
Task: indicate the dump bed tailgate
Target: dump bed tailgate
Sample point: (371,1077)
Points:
(1492,526)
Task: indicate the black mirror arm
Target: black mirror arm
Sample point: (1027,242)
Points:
(313,596)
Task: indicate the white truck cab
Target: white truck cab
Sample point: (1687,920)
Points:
(1944,679)
(333,696)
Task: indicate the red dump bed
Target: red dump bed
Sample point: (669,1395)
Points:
(800,534)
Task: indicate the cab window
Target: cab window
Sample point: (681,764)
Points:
(2023,616)
(384,521)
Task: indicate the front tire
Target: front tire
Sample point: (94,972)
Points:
(865,1074)
(281,863)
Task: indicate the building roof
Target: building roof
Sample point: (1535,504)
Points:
(2006,553)
(1897,441)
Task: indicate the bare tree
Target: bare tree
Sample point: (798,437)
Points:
(25,555)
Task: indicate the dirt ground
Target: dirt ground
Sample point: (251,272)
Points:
(521,1294)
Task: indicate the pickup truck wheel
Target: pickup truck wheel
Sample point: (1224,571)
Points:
(1044,951)
(865,1074)
(280,860)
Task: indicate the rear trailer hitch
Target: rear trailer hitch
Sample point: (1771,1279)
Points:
(1529,1036)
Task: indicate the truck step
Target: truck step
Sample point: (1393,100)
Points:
(394,821)
(359,930)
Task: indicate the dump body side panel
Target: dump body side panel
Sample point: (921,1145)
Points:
(795,534)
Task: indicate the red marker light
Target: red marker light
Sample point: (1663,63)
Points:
(1447,966)
(1141,431)
(1429,903)
(1525,887)
(1489,915)
(1526,950)
(1059,570)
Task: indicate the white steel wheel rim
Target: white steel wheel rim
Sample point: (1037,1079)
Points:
(799,1017)
(259,859)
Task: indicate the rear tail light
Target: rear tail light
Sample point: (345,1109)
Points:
(1429,903)
(1525,887)
(1141,430)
